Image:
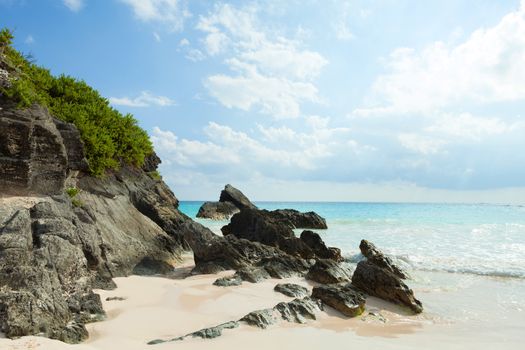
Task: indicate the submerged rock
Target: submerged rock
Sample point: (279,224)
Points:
(344,298)
(384,284)
(291,290)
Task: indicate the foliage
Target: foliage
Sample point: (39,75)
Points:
(155,175)
(109,137)
(72,191)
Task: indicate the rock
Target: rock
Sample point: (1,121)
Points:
(344,298)
(376,257)
(314,241)
(328,271)
(260,318)
(33,157)
(233,195)
(298,310)
(253,274)
(214,332)
(380,282)
(53,253)
(285,266)
(234,280)
(151,163)
(291,290)
(296,219)
(262,226)
(115,299)
(231,201)
(217,210)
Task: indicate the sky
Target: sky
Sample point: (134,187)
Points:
(391,100)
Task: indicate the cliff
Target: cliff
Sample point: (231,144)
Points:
(64,232)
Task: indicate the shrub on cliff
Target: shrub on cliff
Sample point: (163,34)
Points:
(109,137)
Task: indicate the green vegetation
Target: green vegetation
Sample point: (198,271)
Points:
(155,175)
(72,191)
(109,137)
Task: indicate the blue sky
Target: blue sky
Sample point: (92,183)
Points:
(390,100)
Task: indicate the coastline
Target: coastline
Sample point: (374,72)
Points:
(160,307)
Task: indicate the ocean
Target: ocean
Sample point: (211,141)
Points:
(466,261)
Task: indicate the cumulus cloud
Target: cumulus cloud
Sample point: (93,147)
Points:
(74,5)
(168,13)
(272,74)
(145,99)
(485,68)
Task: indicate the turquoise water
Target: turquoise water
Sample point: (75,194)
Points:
(479,239)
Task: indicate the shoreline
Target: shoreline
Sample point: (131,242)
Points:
(159,307)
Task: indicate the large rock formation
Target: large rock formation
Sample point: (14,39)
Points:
(231,201)
(380,277)
(55,249)
(265,227)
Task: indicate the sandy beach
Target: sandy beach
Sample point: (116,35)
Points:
(164,308)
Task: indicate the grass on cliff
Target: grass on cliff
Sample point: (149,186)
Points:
(109,137)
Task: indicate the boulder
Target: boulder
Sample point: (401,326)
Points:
(316,244)
(382,283)
(228,281)
(328,271)
(299,310)
(291,290)
(296,219)
(260,318)
(344,298)
(217,210)
(231,201)
(253,274)
(376,257)
(233,195)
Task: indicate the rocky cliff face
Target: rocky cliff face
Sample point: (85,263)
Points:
(54,248)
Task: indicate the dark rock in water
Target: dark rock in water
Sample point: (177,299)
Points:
(257,226)
(379,282)
(231,201)
(217,210)
(298,310)
(253,275)
(376,257)
(296,219)
(291,290)
(234,280)
(327,271)
(314,241)
(233,195)
(265,227)
(344,298)
(260,318)
(214,332)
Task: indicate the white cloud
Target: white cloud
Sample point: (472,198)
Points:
(184,42)
(466,126)
(485,68)
(170,13)
(74,5)
(421,143)
(195,55)
(274,74)
(29,40)
(157,37)
(145,99)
